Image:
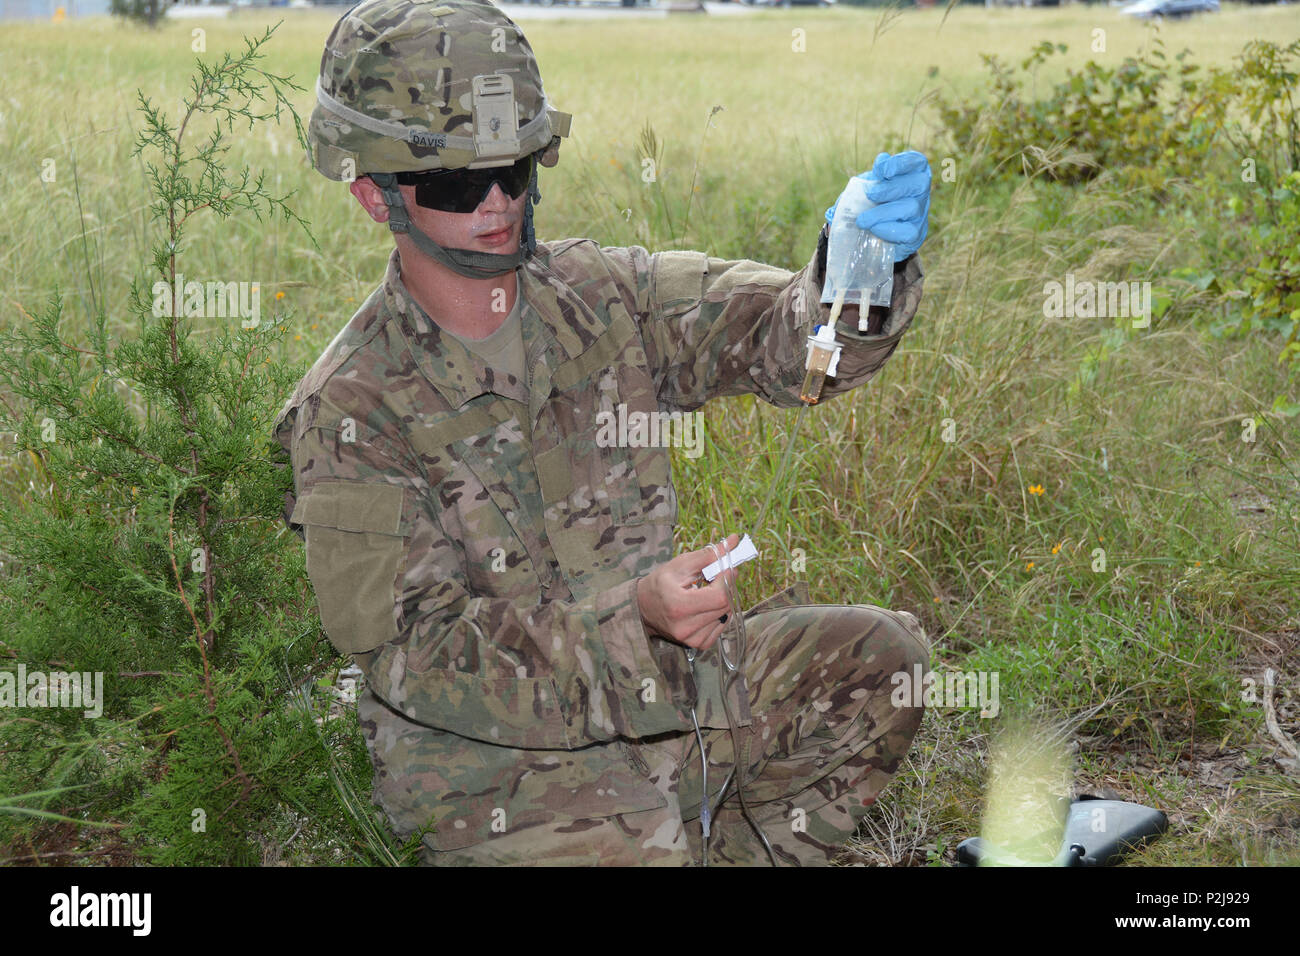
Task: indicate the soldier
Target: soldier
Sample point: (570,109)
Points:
(544,682)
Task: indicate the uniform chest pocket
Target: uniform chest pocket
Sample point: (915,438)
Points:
(487,497)
(633,437)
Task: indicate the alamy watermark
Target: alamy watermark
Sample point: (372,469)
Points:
(1088,300)
(78,690)
(954,690)
(624,429)
(211,300)
(79,909)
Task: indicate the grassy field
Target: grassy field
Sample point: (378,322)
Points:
(1069,439)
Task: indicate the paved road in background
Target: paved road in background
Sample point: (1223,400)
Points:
(44,9)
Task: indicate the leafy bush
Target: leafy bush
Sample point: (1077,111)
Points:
(1265,127)
(1147,119)
(1273,284)
(1143,117)
(148,547)
(1221,142)
(142,11)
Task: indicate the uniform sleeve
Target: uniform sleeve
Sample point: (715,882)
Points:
(714,327)
(391,590)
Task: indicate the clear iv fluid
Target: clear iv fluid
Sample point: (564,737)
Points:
(859,269)
(857,260)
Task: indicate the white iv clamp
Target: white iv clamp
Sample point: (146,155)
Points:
(741,553)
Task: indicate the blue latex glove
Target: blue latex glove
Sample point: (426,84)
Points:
(901,187)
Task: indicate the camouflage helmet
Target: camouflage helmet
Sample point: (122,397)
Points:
(412,85)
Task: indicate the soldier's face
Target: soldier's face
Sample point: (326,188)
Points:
(493,227)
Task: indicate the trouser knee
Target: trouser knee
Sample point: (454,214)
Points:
(886,641)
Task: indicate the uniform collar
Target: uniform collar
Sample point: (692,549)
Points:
(552,335)
(458,374)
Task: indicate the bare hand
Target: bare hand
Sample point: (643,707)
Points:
(674,608)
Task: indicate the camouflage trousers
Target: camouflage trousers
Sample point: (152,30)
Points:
(823,742)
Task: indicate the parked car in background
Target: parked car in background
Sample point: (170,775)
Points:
(1151,9)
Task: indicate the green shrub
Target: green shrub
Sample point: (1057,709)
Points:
(142,11)
(1143,117)
(147,547)
(1215,151)
(1272,285)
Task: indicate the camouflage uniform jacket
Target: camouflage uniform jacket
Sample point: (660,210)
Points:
(477,551)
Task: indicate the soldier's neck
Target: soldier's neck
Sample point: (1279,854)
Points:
(470,308)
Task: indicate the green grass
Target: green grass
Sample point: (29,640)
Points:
(1134,436)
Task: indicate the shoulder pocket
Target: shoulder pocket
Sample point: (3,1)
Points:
(677,279)
(355,555)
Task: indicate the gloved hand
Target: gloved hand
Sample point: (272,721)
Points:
(901,187)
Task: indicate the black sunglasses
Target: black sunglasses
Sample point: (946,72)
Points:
(462,190)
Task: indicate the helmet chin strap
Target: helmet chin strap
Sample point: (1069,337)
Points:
(534,196)
(466,262)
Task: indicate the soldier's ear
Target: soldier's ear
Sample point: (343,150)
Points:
(371,198)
